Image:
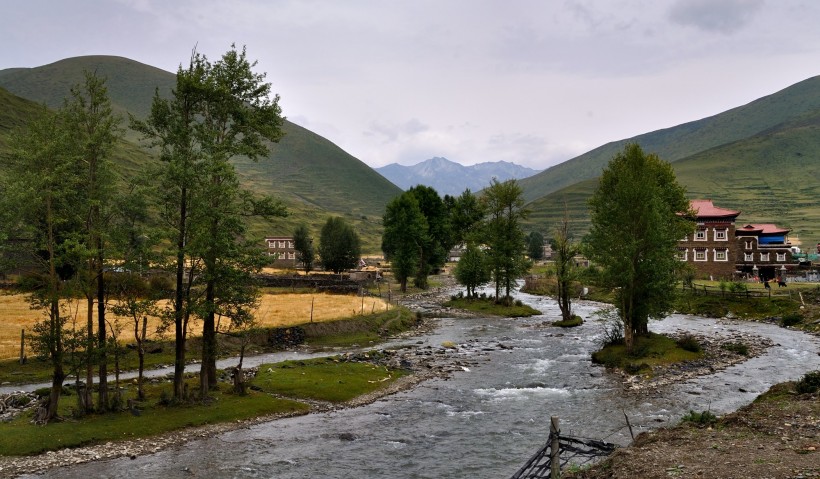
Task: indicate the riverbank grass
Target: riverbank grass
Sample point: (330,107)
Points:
(649,351)
(325,379)
(20,437)
(489,306)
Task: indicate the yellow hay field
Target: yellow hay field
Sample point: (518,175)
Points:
(274,310)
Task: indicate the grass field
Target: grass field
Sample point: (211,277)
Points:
(274,310)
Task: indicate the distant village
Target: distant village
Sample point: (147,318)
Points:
(719,249)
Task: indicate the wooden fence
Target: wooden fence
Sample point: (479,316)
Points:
(729,292)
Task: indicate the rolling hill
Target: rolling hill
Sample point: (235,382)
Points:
(683,141)
(314,177)
(771,177)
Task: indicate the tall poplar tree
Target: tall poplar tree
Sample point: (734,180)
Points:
(405,233)
(339,245)
(638,215)
(437,241)
(564,250)
(93,129)
(42,186)
(303,244)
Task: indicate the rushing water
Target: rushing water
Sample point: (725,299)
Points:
(485,421)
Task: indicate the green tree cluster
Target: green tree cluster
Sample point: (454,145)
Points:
(502,232)
(74,217)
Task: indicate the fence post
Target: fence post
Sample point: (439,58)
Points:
(555,460)
(22,347)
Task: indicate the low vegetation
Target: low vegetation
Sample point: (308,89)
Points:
(571,323)
(651,350)
(703,418)
(485,305)
(324,379)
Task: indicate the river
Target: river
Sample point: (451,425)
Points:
(484,421)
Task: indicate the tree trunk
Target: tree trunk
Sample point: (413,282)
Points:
(89,348)
(102,394)
(179,326)
(207,373)
(141,353)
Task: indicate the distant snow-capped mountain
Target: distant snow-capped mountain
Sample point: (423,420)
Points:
(450,178)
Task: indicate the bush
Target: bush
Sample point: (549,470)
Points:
(791,319)
(809,384)
(737,348)
(703,418)
(613,328)
(570,323)
(689,343)
(738,287)
(160,284)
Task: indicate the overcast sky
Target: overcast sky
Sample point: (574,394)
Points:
(532,82)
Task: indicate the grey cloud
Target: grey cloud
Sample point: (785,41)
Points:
(396,131)
(718,16)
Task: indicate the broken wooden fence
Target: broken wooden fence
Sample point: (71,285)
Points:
(560,451)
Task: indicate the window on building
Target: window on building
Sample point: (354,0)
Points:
(748,244)
(721,255)
(700,255)
(281,244)
(290,244)
(781,256)
(720,234)
(748,257)
(764,257)
(700,235)
(271,244)
(683,254)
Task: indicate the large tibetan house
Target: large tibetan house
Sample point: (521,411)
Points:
(720,250)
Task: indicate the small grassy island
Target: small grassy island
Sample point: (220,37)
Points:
(516,309)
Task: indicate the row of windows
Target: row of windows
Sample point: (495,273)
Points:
(722,254)
(280,244)
(702,254)
(282,255)
(720,234)
(764,257)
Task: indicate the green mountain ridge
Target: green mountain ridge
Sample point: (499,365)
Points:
(771,177)
(313,176)
(682,141)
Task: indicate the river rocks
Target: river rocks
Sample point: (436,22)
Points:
(12,405)
(719,352)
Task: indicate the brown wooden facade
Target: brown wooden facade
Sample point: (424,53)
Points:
(720,250)
(281,250)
